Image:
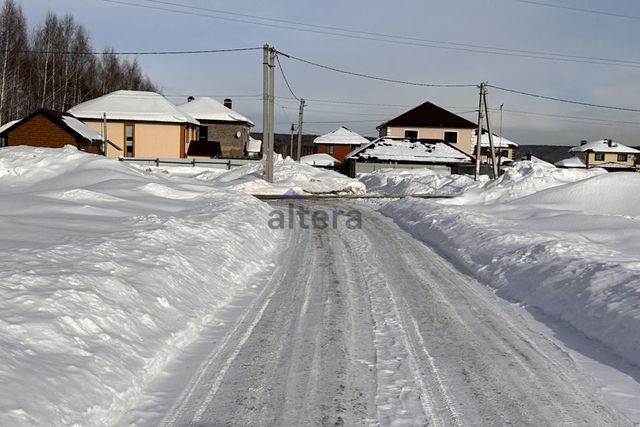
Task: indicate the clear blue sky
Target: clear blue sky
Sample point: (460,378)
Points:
(509,24)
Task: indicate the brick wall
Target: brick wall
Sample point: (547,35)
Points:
(41,132)
(225,134)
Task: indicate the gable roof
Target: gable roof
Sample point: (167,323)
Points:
(206,108)
(429,115)
(131,105)
(428,151)
(8,125)
(63,120)
(604,146)
(341,136)
(497,141)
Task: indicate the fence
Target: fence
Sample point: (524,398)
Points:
(212,164)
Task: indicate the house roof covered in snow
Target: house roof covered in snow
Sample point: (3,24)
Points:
(571,162)
(320,159)
(429,115)
(65,121)
(341,136)
(8,125)
(135,106)
(208,109)
(604,146)
(497,141)
(429,151)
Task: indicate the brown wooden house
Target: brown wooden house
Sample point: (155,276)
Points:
(52,129)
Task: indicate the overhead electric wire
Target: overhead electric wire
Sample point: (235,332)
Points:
(578,9)
(380,37)
(140,53)
(284,77)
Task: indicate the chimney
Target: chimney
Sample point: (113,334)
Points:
(228,103)
(583,142)
(191,98)
(609,142)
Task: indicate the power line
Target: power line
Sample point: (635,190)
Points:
(141,53)
(367,76)
(379,37)
(577,9)
(285,77)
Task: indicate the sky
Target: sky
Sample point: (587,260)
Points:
(431,44)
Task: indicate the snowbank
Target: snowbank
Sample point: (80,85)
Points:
(570,249)
(105,275)
(415,181)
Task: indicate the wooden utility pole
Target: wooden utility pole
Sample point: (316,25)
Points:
(300,120)
(268,58)
(291,143)
(494,165)
(479,133)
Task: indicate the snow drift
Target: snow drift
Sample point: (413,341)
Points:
(105,275)
(570,249)
(415,181)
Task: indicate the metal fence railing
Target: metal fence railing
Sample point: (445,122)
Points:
(214,164)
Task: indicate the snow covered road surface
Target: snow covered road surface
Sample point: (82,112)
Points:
(371,327)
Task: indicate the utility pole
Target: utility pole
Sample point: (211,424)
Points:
(268,58)
(291,143)
(300,120)
(494,165)
(500,144)
(479,133)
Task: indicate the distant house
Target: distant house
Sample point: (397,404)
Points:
(144,124)
(320,160)
(402,153)
(570,163)
(222,132)
(606,154)
(52,129)
(3,128)
(339,143)
(504,148)
(428,121)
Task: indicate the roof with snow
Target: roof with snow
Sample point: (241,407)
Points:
(135,106)
(8,125)
(431,151)
(604,146)
(429,115)
(254,145)
(571,162)
(65,121)
(341,136)
(497,141)
(320,159)
(208,109)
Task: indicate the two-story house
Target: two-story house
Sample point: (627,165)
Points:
(606,154)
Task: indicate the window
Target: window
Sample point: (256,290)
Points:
(128,140)
(204,133)
(411,134)
(622,157)
(599,157)
(451,137)
(329,149)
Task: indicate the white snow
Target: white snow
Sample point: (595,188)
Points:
(319,159)
(399,150)
(206,108)
(341,136)
(254,145)
(571,162)
(415,181)
(134,106)
(106,274)
(602,146)
(8,125)
(497,141)
(81,128)
(565,241)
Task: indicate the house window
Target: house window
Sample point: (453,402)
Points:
(128,140)
(451,137)
(329,149)
(204,133)
(599,157)
(622,157)
(411,134)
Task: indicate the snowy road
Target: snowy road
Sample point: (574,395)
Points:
(371,327)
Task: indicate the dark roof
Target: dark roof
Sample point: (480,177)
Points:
(57,117)
(429,115)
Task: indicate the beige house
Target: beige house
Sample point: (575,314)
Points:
(606,154)
(503,147)
(428,121)
(144,124)
(222,132)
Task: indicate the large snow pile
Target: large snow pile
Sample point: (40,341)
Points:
(288,175)
(569,249)
(105,275)
(415,181)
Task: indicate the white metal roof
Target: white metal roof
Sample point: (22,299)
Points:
(206,108)
(134,106)
(341,136)
(8,125)
(571,162)
(405,150)
(81,128)
(484,141)
(603,146)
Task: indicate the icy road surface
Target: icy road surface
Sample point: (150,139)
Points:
(371,327)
